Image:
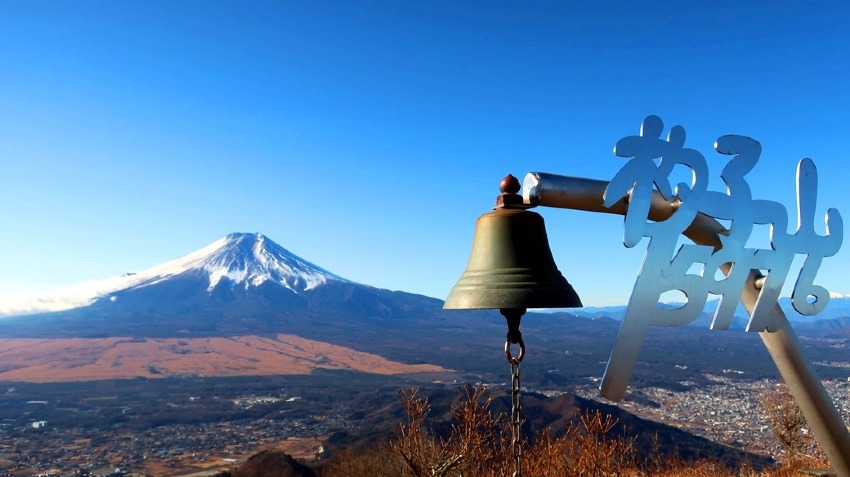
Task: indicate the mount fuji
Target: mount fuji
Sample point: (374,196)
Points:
(241,305)
(239,259)
(239,284)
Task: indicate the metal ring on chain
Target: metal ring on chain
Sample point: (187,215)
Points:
(511,358)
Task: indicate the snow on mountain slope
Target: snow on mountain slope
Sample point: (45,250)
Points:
(247,260)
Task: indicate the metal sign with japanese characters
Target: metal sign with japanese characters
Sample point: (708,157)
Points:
(692,268)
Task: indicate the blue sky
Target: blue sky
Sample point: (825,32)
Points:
(367,137)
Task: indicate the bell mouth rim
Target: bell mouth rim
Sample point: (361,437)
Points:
(512,295)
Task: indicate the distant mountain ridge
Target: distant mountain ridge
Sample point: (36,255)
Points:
(835,315)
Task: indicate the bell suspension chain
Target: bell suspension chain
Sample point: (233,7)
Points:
(515,337)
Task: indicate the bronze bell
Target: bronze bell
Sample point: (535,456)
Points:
(511,265)
(511,268)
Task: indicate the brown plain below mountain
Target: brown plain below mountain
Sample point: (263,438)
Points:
(86,359)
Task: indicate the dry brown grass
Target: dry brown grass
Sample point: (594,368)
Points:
(478,445)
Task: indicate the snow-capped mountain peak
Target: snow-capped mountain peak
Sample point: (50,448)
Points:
(244,259)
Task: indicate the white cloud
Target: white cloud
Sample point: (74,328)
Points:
(29,302)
